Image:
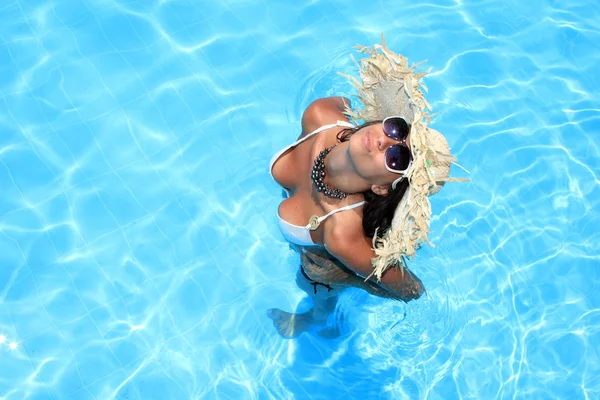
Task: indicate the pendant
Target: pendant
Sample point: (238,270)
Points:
(313,223)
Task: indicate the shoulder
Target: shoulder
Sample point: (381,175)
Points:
(345,231)
(342,243)
(324,111)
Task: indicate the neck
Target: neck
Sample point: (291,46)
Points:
(341,172)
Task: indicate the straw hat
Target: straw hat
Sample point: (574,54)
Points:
(388,87)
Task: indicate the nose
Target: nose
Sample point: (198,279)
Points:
(385,142)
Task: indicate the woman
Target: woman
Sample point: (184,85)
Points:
(358,195)
(356,168)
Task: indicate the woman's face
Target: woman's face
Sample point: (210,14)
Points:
(367,151)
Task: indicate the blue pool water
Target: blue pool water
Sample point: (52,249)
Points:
(138,245)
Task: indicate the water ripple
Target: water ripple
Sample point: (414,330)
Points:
(138,241)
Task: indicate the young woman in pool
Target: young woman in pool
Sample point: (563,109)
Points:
(343,184)
(348,185)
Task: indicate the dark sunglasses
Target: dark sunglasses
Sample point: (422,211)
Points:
(398,157)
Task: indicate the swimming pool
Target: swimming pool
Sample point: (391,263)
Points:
(138,245)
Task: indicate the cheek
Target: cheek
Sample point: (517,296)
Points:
(380,163)
(377,166)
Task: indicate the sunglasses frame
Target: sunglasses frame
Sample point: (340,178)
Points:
(395,171)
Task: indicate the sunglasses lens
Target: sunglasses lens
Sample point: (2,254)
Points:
(396,128)
(397,157)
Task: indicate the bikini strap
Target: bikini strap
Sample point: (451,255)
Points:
(325,127)
(297,142)
(314,221)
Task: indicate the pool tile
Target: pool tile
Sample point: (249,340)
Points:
(29,173)
(82,394)
(146,185)
(96,363)
(154,383)
(117,29)
(10,71)
(118,199)
(107,386)
(187,303)
(97,223)
(128,348)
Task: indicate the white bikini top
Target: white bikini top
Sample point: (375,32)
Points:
(296,234)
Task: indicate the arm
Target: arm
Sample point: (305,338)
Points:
(327,269)
(355,252)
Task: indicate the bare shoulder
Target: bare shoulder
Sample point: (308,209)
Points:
(345,230)
(324,111)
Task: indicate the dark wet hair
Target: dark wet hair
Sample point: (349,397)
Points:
(378,211)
